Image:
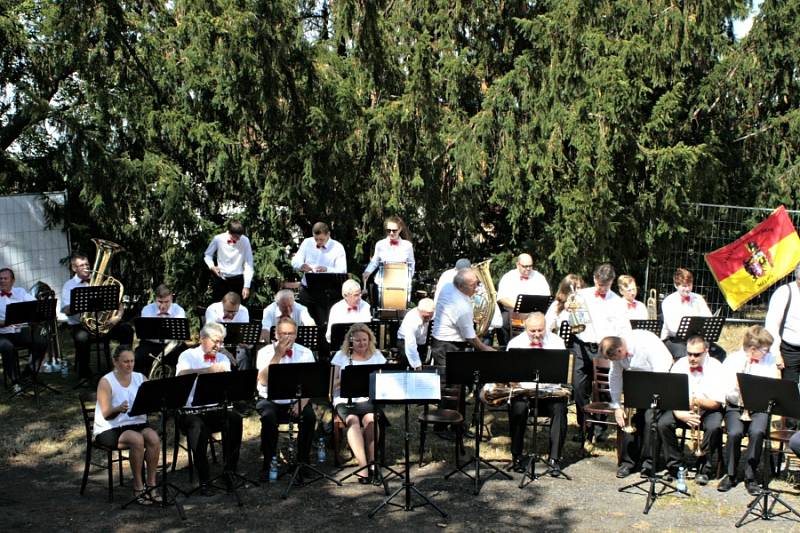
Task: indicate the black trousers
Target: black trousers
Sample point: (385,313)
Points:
(122,333)
(272,414)
(556,409)
(756,431)
(198,428)
(712,436)
(791,361)
(24,338)
(582,374)
(636,447)
(402,360)
(220,287)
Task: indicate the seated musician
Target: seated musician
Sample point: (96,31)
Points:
(198,426)
(319,253)
(284,306)
(231,310)
(412,336)
(395,248)
(350,309)
(636,349)
(683,302)
(707,396)
(755,359)
(358,348)
(113,427)
(81,336)
(149,349)
(628,306)
(18,335)
(557,312)
(283,351)
(523,279)
(536,336)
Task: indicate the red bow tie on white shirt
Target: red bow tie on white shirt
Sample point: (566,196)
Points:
(163,314)
(631,305)
(394,242)
(4,293)
(353,308)
(697,369)
(686,299)
(599,294)
(209,357)
(536,344)
(754,361)
(523,278)
(321,246)
(288,353)
(231,241)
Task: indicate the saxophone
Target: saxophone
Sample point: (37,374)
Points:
(485,298)
(697,451)
(104,320)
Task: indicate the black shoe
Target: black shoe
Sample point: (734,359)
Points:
(624,471)
(646,472)
(752,487)
(206,490)
(701,479)
(599,433)
(365,480)
(726,483)
(519,464)
(555,467)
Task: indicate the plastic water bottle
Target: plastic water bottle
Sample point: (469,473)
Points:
(321,454)
(681,484)
(273,470)
(64,368)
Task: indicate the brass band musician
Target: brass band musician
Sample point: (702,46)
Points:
(163,307)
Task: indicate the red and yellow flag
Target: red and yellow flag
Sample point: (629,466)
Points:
(756,260)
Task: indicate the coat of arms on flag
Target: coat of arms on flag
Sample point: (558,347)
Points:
(755,261)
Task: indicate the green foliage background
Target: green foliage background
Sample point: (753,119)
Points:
(574,129)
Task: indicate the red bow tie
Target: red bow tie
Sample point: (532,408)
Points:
(696,369)
(352,309)
(686,299)
(394,242)
(536,344)
(209,357)
(754,361)
(4,293)
(321,246)
(288,353)
(163,314)
(599,294)
(631,305)
(523,278)
(231,241)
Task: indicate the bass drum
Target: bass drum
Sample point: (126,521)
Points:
(395,287)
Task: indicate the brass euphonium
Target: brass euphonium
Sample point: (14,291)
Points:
(577,311)
(696,437)
(103,321)
(485,298)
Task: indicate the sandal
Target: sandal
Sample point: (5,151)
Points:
(141,497)
(155,495)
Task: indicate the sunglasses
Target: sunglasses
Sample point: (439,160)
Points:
(392,230)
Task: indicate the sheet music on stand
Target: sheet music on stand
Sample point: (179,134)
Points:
(307,336)
(163,329)
(94,299)
(710,327)
(651,325)
(402,386)
(241,333)
(33,311)
(338,331)
(325,281)
(529,303)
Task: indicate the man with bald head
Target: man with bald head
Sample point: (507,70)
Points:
(412,337)
(523,279)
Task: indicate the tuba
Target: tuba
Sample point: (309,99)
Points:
(485,298)
(102,322)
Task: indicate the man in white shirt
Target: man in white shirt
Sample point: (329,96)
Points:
(635,350)
(319,254)
(448,276)
(350,309)
(284,306)
(783,323)
(412,336)
(17,335)
(148,349)
(521,280)
(233,271)
(204,359)
(707,392)
(283,351)
(231,310)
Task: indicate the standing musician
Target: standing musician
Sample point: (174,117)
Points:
(114,428)
(319,253)
(783,322)
(120,332)
(284,306)
(557,312)
(148,349)
(207,358)
(636,349)
(628,307)
(358,349)
(395,248)
(755,359)
(351,308)
(231,310)
(521,280)
(448,276)
(234,269)
(412,336)
(18,335)
(283,351)
(706,397)
(536,336)
(683,302)
(601,304)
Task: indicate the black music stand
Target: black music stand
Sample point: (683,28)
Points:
(661,391)
(326,287)
(355,383)
(710,327)
(32,312)
(339,331)
(162,330)
(546,366)
(237,333)
(93,299)
(163,395)
(224,388)
(772,396)
(307,336)
(651,325)
(398,386)
(296,381)
(530,303)
(476,368)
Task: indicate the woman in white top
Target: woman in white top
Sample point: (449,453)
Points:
(358,349)
(113,427)
(556,313)
(395,248)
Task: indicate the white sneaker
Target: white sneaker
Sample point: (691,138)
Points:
(55,365)
(47,368)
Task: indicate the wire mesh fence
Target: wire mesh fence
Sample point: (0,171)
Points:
(717,225)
